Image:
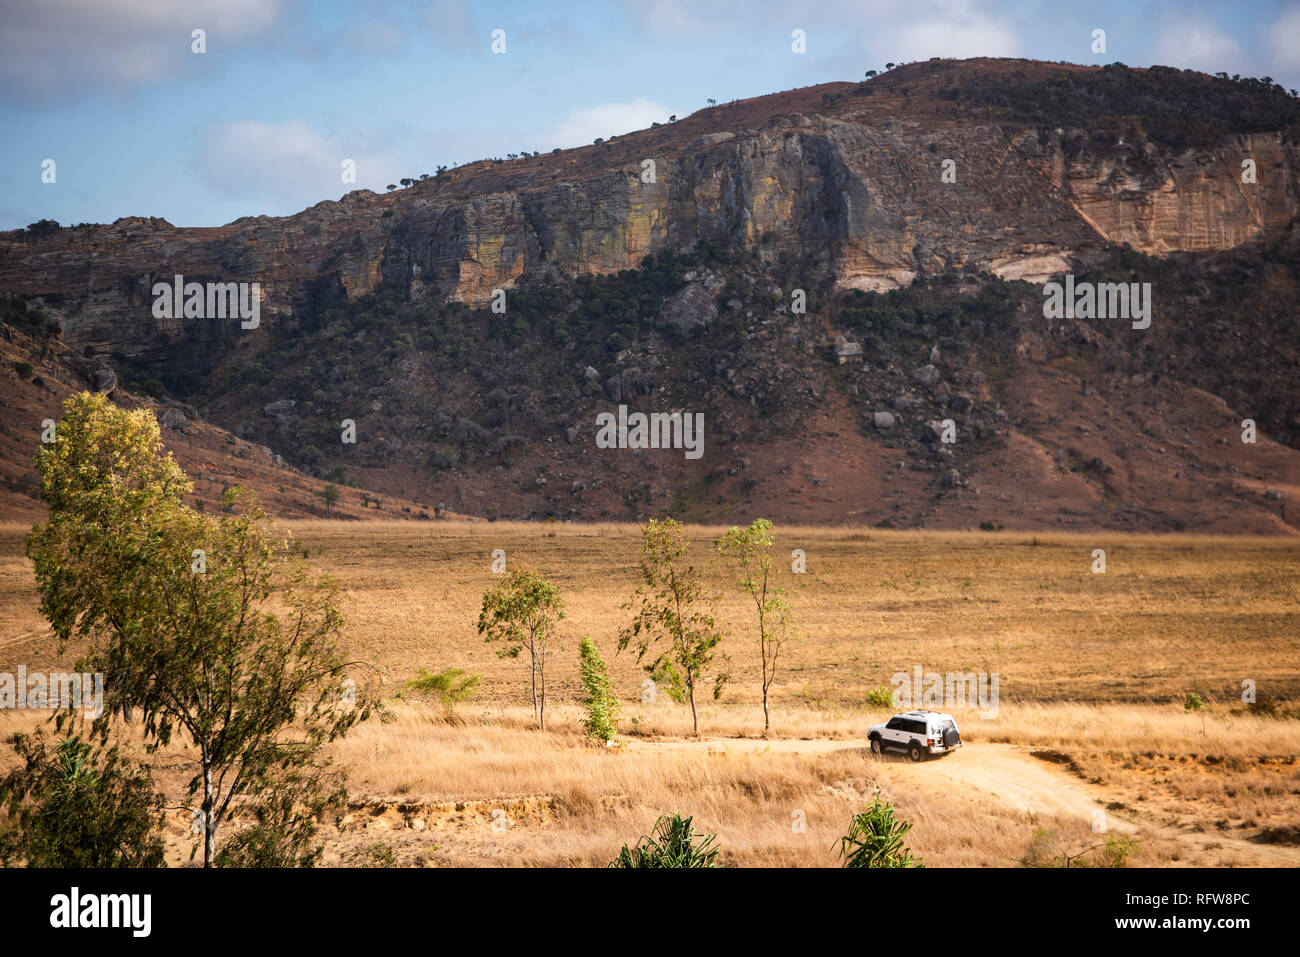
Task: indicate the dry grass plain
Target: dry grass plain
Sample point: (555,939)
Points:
(1093,670)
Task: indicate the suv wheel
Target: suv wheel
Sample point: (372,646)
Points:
(914,752)
(877,747)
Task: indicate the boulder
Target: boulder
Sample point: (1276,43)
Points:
(846,350)
(927,375)
(280,409)
(105,380)
(689,312)
(884,421)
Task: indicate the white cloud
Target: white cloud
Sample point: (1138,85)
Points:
(1198,44)
(582,127)
(58,47)
(1283,39)
(955,31)
(287,166)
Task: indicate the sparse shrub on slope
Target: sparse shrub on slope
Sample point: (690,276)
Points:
(875,839)
(671,844)
(599,700)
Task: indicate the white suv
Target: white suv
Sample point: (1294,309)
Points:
(918,733)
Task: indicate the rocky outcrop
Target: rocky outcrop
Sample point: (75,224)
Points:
(877,190)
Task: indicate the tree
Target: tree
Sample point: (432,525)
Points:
(712,102)
(331,496)
(523,612)
(391,187)
(672,612)
(79,806)
(751,549)
(889,66)
(406,181)
(875,839)
(870,74)
(598,698)
(204,623)
(451,685)
(670,844)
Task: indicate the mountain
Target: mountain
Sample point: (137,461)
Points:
(914,217)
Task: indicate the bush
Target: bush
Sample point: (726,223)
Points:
(875,839)
(672,844)
(451,685)
(24,369)
(1193,702)
(599,699)
(880,697)
(79,806)
(1043,849)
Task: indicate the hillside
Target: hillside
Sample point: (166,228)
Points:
(923,304)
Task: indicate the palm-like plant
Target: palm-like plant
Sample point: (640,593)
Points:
(671,844)
(875,839)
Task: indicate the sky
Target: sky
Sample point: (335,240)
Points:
(139,124)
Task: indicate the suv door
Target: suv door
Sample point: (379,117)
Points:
(894,733)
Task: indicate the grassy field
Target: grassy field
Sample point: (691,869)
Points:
(1093,672)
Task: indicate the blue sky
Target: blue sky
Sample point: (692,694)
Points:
(138,124)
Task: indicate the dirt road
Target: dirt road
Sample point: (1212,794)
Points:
(1008,774)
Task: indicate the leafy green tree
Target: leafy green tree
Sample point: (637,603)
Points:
(204,623)
(78,805)
(875,839)
(598,697)
(672,617)
(331,496)
(751,550)
(524,612)
(671,844)
(451,685)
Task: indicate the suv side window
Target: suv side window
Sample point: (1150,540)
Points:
(915,727)
(896,724)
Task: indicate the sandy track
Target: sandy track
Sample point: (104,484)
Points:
(1010,775)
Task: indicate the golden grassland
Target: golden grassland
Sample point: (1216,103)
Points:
(1093,671)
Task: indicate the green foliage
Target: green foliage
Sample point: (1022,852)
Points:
(524,612)
(598,697)
(451,685)
(751,551)
(381,855)
(672,617)
(880,697)
(1193,702)
(1117,850)
(78,805)
(672,843)
(238,654)
(1178,108)
(875,839)
(1043,849)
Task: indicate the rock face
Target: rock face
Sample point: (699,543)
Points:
(850,180)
